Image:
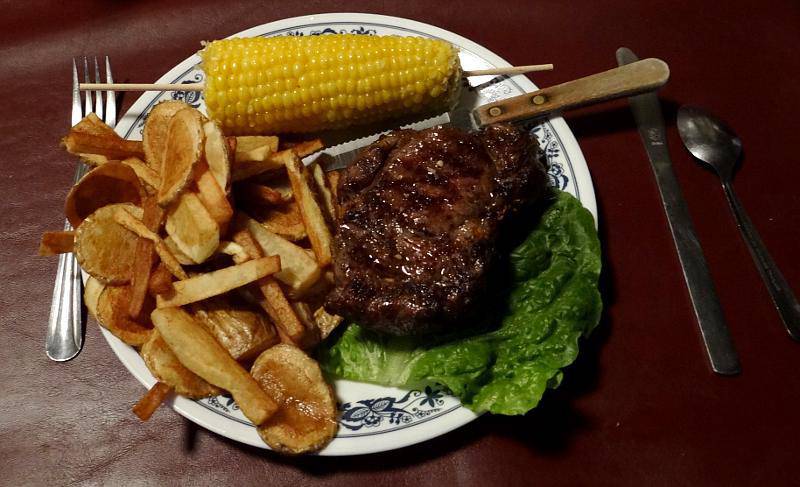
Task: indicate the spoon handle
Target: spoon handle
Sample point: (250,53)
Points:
(779,290)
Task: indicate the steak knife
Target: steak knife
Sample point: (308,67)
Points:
(639,77)
(719,346)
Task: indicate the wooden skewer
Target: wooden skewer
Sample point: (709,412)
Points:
(200,86)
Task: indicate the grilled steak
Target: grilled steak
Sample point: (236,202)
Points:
(420,217)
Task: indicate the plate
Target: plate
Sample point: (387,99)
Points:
(373,418)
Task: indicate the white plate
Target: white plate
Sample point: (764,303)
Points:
(373,418)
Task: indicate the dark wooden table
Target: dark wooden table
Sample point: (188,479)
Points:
(640,407)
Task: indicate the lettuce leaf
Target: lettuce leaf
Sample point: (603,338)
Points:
(553,300)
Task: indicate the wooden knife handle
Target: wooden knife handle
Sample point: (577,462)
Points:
(631,79)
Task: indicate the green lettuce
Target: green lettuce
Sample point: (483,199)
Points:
(505,367)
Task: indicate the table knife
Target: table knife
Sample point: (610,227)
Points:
(642,76)
(719,346)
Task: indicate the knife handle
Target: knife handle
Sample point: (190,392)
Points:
(632,79)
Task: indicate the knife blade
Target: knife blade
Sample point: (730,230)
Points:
(708,312)
(639,77)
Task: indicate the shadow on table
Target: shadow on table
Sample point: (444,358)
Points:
(548,430)
(610,119)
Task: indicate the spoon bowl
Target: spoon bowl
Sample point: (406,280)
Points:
(709,139)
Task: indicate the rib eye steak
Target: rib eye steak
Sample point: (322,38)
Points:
(420,213)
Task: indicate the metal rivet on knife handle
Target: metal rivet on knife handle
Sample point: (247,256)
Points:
(538,99)
(495,111)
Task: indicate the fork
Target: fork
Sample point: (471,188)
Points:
(65,326)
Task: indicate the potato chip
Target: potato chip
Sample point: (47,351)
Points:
(306,148)
(166,367)
(154,134)
(306,418)
(241,329)
(147,176)
(110,183)
(112,314)
(104,248)
(199,352)
(217,155)
(91,295)
(258,195)
(192,228)
(326,322)
(182,153)
(285,220)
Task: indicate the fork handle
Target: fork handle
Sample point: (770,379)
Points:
(64,331)
(779,290)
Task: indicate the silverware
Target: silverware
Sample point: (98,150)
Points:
(643,76)
(712,142)
(719,346)
(65,326)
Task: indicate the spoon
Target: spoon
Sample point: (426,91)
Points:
(715,144)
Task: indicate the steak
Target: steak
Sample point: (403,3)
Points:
(420,215)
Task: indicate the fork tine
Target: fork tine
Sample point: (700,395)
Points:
(111,100)
(77,113)
(98,97)
(88,100)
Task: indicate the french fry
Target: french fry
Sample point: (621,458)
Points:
(324,190)
(258,195)
(91,124)
(183,150)
(306,148)
(160,281)
(130,222)
(333,178)
(151,400)
(318,233)
(112,146)
(94,159)
(213,198)
(145,255)
(326,322)
(255,148)
(244,170)
(203,286)
(298,270)
(166,368)
(199,352)
(145,173)
(234,250)
(193,228)
(272,299)
(54,243)
(312,335)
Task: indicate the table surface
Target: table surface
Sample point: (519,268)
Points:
(640,406)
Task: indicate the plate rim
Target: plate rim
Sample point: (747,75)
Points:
(348,445)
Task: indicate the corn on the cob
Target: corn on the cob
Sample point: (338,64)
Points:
(307,84)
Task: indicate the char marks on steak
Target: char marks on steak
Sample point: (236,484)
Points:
(420,216)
